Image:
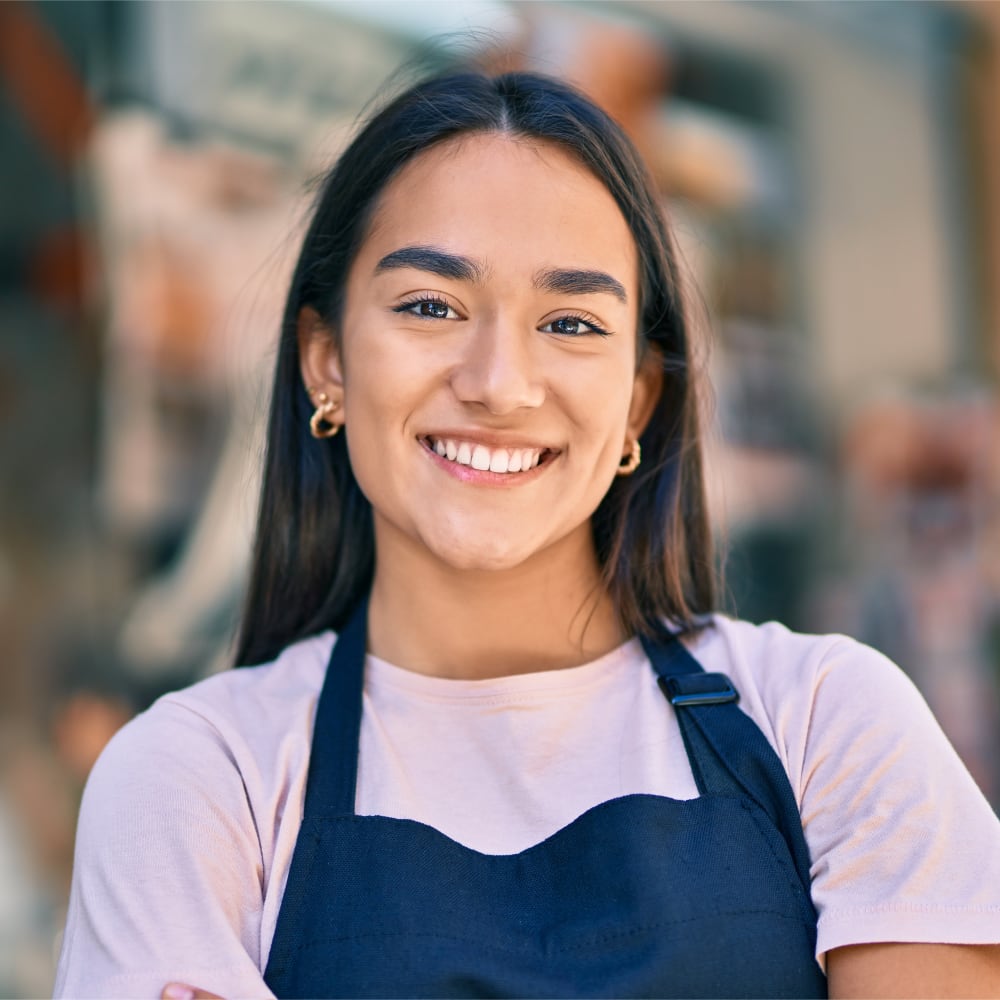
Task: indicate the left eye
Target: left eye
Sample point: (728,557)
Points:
(572,326)
(428,309)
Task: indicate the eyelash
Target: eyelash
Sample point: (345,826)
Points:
(419,300)
(595,328)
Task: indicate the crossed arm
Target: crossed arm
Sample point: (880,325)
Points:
(861,971)
(914,970)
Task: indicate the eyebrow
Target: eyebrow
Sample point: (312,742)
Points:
(576,282)
(436,261)
(567,281)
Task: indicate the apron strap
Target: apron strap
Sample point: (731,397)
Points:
(332,781)
(727,751)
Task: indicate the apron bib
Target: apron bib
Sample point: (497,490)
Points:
(640,896)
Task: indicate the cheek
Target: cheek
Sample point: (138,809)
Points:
(376,372)
(384,386)
(602,401)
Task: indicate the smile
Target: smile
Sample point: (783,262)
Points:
(503,461)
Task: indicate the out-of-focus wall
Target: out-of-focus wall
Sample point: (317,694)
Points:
(869,96)
(982,142)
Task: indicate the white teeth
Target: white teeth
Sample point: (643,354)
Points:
(483,459)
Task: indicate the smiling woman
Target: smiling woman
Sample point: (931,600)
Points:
(480,310)
(491,744)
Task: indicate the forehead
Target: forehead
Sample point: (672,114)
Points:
(514,203)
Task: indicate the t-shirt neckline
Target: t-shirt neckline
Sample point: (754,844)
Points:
(381,673)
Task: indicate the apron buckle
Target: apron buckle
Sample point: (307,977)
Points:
(690,690)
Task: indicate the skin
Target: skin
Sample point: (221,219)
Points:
(498,367)
(488,364)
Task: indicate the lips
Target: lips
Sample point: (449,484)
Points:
(485,458)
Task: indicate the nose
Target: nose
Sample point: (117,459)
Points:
(498,370)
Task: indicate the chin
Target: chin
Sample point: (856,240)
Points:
(496,565)
(487,556)
(483,562)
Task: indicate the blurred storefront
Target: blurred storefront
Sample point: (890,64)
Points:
(833,176)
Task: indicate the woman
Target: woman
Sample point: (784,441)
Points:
(519,767)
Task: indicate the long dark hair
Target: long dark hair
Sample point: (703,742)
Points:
(314,552)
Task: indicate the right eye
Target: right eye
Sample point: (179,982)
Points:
(427,308)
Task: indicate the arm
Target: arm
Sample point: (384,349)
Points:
(914,971)
(167,881)
(905,849)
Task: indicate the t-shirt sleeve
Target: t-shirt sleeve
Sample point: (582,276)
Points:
(167,879)
(904,846)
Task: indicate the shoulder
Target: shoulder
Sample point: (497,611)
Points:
(179,825)
(257,694)
(216,744)
(816,696)
(228,707)
(773,652)
(904,846)
(772,665)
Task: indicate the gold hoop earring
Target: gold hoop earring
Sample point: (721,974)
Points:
(321,423)
(630,462)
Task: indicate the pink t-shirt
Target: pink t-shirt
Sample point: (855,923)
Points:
(191,815)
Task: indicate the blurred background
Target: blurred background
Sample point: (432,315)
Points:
(832,172)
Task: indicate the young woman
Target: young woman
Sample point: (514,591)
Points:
(492,744)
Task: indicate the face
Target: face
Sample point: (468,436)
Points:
(488,353)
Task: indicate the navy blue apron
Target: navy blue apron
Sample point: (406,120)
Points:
(641,896)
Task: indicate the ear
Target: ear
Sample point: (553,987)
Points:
(645,392)
(319,355)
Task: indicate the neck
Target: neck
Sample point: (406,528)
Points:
(548,613)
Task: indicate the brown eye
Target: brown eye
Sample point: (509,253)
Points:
(427,308)
(434,310)
(568,325)
(574,326)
